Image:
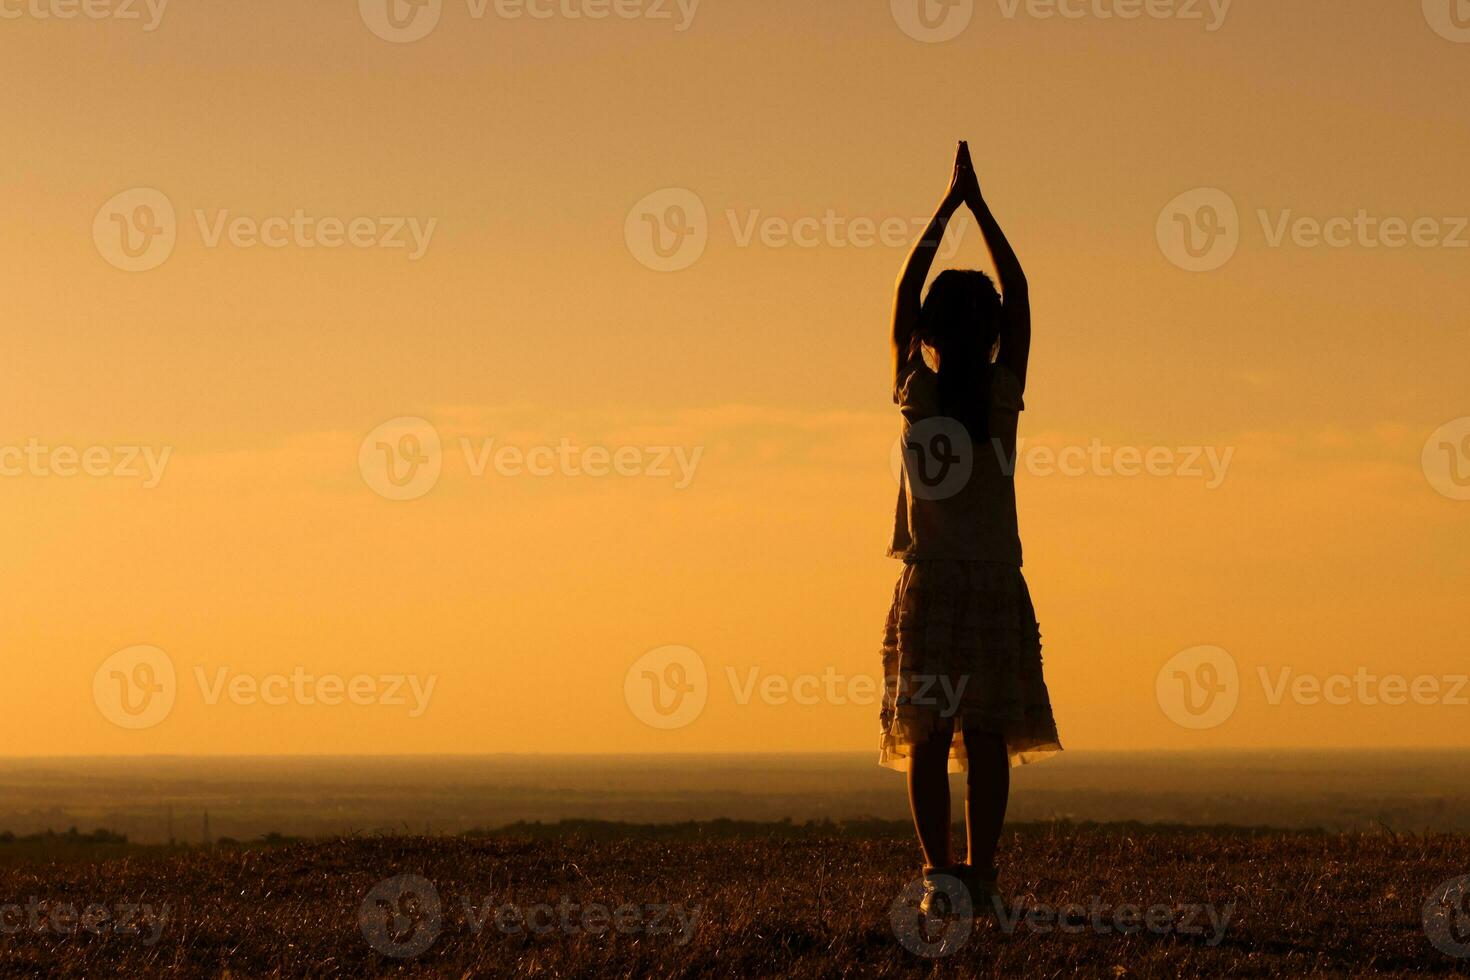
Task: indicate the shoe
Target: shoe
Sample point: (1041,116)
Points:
(946,892)
(983,884)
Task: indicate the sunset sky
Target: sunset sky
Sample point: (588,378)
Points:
(518,147)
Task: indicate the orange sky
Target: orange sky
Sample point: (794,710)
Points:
(517,147)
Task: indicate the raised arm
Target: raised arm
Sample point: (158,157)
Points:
(1015,329)
(909,293)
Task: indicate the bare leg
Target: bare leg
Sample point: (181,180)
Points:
(929,797)
(989,791)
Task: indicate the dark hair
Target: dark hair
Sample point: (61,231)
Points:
(960,322)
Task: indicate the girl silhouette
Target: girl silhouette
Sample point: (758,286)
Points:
(961,647)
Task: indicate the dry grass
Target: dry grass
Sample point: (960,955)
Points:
(789,905)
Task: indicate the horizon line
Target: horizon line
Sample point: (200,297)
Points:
(831,753)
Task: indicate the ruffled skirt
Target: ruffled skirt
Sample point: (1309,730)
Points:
(962,652)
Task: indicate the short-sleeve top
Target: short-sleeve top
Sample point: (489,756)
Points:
(956,499)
